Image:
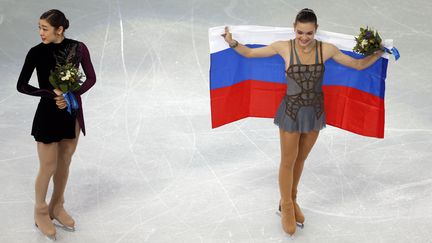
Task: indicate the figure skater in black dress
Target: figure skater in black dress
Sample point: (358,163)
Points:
(55,130)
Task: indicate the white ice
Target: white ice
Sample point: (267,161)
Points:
(151,169)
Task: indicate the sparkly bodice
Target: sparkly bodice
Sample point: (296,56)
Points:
(304,84)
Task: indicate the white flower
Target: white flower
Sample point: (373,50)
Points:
(364,43)
(63,78)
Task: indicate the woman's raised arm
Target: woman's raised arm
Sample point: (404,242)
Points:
(245,51)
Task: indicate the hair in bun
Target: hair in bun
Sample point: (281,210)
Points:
(56,18)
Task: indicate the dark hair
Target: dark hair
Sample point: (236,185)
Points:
(306,15)
(56,18)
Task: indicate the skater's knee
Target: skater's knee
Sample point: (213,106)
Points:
(48,167)
(301,157)
(287,163)
(65,154)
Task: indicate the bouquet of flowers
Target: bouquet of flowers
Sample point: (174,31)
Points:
(369,41)
(67,78)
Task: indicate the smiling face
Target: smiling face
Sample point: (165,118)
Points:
(305,33)
(48,33)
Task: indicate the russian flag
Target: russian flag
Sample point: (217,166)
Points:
(254,87)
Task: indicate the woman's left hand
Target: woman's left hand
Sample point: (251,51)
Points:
(60,101)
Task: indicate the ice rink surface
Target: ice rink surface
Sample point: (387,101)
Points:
(151,169)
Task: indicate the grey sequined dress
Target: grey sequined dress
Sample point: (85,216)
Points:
(302,108)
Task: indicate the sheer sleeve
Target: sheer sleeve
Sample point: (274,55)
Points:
(23,85)
(89,72)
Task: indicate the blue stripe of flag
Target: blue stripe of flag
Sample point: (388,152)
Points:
(370,80)
(228,68)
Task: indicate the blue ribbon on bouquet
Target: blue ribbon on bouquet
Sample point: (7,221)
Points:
(71,100)
(393,51)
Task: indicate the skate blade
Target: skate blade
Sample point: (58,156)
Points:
(300,225)
(62,226)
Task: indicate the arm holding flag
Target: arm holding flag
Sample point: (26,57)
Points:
(266,51)
(331,51)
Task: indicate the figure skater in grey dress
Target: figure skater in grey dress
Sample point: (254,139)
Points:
(300,115)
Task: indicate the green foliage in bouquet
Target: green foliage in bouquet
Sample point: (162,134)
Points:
(66,77)
(367,42)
